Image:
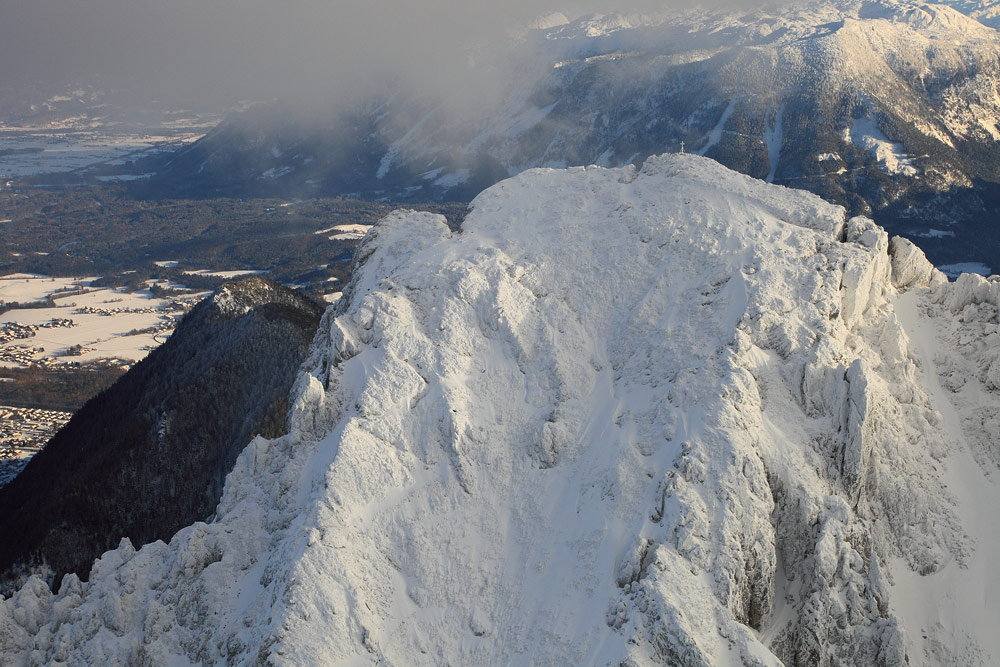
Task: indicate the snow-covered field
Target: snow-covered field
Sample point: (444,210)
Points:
(224,274)
(669,416)
(23,287)
(102,320)
(27,153)
(890,155)
(955,270)
(345,232)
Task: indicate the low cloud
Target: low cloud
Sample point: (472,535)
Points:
(313,53)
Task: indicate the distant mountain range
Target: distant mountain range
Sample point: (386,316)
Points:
(889,108)
(986,12)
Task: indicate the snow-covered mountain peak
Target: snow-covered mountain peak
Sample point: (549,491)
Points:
(548,21)
(666,415)
(937,20)
(775,24)
(986,12)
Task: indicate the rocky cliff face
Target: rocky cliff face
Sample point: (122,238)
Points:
(150,455)
(662,416)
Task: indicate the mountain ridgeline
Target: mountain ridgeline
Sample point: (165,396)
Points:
(887,107)
(150,454)
(668,416)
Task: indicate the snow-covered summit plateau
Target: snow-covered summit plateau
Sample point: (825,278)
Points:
(662,416)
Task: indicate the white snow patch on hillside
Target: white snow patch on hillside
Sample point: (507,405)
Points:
(715,136)
(454,178)
(528,119)
(955,270)
(863,132)
(666,416)
(548,21)
(345,232)
(932,233)
(228,275)
(398,146)
(276,172)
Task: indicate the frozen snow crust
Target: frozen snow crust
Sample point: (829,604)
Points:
(654,417)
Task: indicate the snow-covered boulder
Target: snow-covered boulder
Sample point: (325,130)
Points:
(910,268)
(658,416)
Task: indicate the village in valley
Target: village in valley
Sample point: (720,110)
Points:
(23,433)
(49,324)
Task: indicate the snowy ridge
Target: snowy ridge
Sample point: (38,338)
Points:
(986,12)
(883,50)
(665,416)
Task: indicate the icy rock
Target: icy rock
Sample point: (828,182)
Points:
(971,289)
(910,268)
(865,275)
(655,416)
(859,427)
(632,562)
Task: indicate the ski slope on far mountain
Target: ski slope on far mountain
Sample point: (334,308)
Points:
(657,416)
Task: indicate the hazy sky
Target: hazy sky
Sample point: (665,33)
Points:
(309,50)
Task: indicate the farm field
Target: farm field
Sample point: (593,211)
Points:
(63,327)
(79,324)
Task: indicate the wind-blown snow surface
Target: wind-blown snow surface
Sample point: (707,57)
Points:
(665,417)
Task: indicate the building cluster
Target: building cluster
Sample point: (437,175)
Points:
(17,331)
(117,310)
(24,355)
(24,431)
(28,428)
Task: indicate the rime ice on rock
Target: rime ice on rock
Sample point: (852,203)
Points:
(665,416)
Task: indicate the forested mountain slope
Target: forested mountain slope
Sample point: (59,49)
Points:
(149,455)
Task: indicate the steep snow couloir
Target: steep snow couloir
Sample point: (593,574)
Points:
(665,416)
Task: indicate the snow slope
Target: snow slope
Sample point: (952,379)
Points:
(954,610)
(986,12)
(665,416)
